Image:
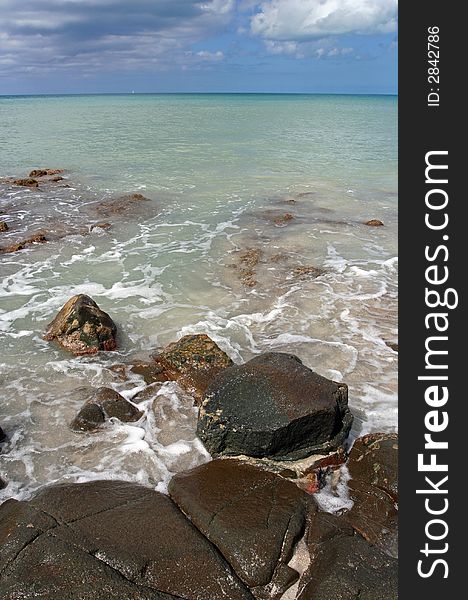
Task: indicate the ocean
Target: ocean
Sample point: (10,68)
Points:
(254,234)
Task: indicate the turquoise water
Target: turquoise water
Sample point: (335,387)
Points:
(218,169)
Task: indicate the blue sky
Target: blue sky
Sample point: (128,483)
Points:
(96,46)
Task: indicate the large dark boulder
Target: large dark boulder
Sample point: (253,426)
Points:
(252,516)
(193,361)
(273,406)
(82,327)
(344,566)
(100,404)
(108,539)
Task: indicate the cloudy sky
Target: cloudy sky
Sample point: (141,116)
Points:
(87,46)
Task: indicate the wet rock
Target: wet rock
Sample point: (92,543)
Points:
(122,205)
(108,539)
(374,460)
(101,225)
(3,226)
(29,182)
(392,345)
(151,372)
(283,219)
(345,566)
(273,406)
(308,272)
(193,362)
(37,238)
(251,515)
(101,404)
(82,327)
(45,172)
(3,436)
(374,223)
(3,484)
(373,466)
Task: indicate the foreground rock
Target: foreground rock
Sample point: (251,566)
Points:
(344,566)
(108,540)
(273,406)
(193,362)
(82,327)
(251,515)
(101,404)
(373,466)
(28,182)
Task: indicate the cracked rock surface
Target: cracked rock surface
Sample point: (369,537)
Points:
(252,516)
(108,539)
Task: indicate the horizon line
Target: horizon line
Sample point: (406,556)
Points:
(133,93)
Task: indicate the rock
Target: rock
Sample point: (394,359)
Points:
(151,372)
(3,436)
(373,466)
(392,345)
(82,327)
(374,223)
(374,460)
(3,484)
(101,404)
(29,182)
(122,205)
(101,225)
(108,540)
(251,515)
(193,362)
(56,179)
(273,406)
(344,566)
(3,226)
(283,219)
(37,238)
(45,172)
(305,272)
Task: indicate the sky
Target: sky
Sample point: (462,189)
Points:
(121,46)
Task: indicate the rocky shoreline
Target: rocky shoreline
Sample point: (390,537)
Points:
(229,528)
(248,524)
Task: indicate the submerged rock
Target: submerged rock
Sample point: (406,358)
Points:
(3,226)
(273,406)
(345,566)
(122,205)
(37,238)
(82,327)
(374,223)
(252,516)
(28,182)
(108,540)
(101,404)
(45,172)
(193,362)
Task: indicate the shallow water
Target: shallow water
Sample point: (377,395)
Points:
(217,169)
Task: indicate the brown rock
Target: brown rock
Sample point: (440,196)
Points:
(193,362)
(251,515)
(373,466)
(305,272)
(38,238)
(344,565)
(108,540)
(283,219)
(374,223)
(3,226)
(101,225)
(151,372)
(82,327)
(29,182)
(45,172)
(122,205)
(101,404)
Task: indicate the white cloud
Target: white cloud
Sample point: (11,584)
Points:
(210,56)
(304,20)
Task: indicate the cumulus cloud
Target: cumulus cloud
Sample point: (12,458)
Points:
(305,20)
(93,35)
